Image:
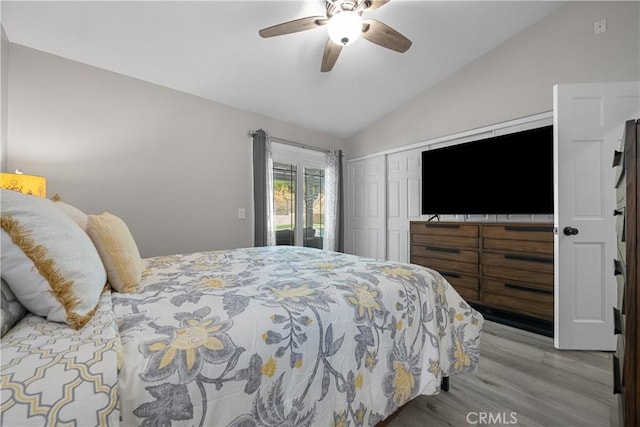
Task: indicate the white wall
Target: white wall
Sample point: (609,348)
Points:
(516,79)
(174,166)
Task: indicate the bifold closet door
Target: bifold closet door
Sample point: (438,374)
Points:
(366,208)
(403,201)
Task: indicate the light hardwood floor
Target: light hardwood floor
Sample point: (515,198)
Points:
(522,373)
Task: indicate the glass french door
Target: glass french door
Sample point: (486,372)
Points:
(298,200)
(313,207)
(284,202)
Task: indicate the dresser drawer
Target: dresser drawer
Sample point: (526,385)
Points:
(619,322)
(533,232)
(523,276)
(467,294)
(620,285)
(621,196)
(445,229)
(442,252)
(514,289)
(621,223)
(619,168)
(520,305)
(446,266)
(531,263)
(444,241)
(530,246)
(621,251)
(620,345)
(465,284)
(461,280)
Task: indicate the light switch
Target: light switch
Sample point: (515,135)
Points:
(241,213)
(600,26)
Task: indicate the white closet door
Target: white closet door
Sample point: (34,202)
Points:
(588,120)
(403,201)
(366,231)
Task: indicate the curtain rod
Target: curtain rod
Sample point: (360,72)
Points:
(293,143)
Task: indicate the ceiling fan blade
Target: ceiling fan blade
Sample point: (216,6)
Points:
(330,56)
(385,36)
(374,4)
(295,26)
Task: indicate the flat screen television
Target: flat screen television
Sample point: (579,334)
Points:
(507,174)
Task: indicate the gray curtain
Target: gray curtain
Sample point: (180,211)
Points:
(340,208)
(262,189)
(334,232)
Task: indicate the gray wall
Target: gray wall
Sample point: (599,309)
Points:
(4,90)
(174,166)
(177,167)
(516,79)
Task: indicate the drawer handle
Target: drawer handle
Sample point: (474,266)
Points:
(528,289)
(436,225)
(617,322)
(617,156)
(617,267)
(438,249)
(530,228)
(617,384)
(450,274)
(529,258)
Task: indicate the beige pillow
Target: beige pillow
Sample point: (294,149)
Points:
(49,263)
(76,214)
(118,251)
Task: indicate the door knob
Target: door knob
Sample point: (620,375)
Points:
(570,231)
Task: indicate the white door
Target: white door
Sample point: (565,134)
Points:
(403,201)
(366,208)
(588,126)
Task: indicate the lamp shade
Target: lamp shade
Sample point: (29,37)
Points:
(344,28)
(26,184)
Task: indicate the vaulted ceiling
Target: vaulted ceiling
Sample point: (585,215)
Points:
(212,49)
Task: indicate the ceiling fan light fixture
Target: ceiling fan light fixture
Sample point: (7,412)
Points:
(345,27)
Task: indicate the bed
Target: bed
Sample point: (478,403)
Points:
(246,337)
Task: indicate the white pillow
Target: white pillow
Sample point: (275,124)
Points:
(49,262)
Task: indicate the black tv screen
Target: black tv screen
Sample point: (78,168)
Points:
(508,174)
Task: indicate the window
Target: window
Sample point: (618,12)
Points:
(298,196)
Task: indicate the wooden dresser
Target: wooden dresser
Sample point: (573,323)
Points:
(507,266)
(452,249)
(626,374)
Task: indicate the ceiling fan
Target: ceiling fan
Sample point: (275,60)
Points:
(345,25)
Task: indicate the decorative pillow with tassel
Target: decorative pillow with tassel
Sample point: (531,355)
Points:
(48,261)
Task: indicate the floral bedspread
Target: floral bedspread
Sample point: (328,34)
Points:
(286,336)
